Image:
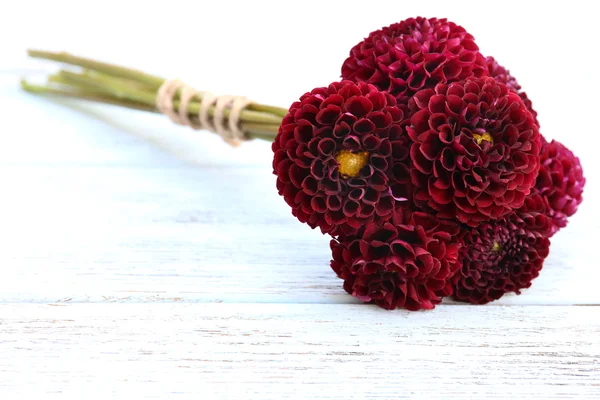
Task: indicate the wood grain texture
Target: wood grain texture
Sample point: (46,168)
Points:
(271,351)
(107,205)
(158,234)
(101,206)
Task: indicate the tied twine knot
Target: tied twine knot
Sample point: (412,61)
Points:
(228,127)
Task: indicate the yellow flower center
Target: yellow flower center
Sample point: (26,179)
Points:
(486,136)
(351,163)
(496,247)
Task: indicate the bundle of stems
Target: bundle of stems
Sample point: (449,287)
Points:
(126,87)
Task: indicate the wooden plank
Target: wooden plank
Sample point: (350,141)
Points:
(199,235)
(274,351)
(99,204)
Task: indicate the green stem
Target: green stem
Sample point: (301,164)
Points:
(154,82)
(279,111)
(254,130)
(77,94)
(106,68)
(109,85)
(117,88)
(126,87)
(124,81)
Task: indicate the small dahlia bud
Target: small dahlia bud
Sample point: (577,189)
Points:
(560,182)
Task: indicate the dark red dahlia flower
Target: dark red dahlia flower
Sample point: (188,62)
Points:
(502,75)
(341,157)
(475,152)
(503,256)
(399,265)
(414,54)
(560,182)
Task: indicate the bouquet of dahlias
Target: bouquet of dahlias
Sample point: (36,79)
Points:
(425,163)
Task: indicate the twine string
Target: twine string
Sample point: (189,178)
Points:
(228,127)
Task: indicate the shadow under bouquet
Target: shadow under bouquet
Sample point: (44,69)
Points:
(424,163)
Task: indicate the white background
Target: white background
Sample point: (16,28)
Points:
(275,51)
(140,259)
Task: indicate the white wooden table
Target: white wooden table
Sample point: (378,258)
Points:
(142,260)
(145,259)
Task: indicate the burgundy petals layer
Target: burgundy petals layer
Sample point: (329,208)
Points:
(502,75)
(417,53)
(503,256)
(560,182)
(407,263)
(476,150)
(427,167)
(356,118)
